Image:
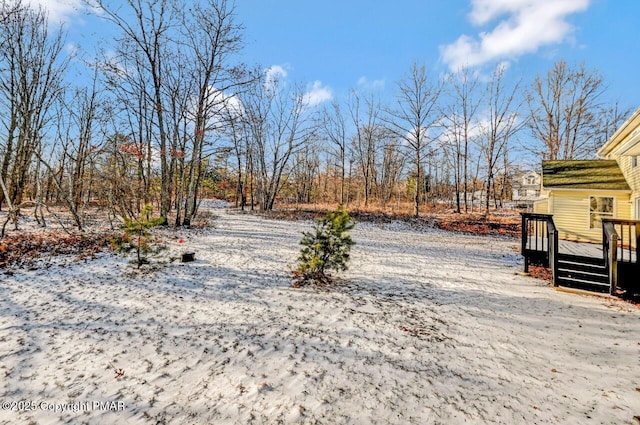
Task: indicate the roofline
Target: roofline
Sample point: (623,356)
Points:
(613,140)
(565,189)
(577,160)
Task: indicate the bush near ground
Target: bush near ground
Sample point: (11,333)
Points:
(136,235)
(326,248)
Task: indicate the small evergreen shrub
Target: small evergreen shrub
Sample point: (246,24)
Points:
(325,248)
(137,235)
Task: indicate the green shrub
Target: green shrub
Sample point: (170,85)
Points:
(325,248)
(137,235)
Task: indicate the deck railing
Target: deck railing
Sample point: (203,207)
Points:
(610,253)
(620,244)
(540,242)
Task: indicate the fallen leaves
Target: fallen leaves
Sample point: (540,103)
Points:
(542,273)
(22,249)
(119,373)
(479,225)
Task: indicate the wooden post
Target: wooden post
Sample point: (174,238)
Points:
(553,253)
(637,239)
(525,236)
(613,264)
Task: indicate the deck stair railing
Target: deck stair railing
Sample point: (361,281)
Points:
(616,272)
(540,242)
(620,247)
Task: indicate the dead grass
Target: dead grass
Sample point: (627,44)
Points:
(506,223)
(24,248)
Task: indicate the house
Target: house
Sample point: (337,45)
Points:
(580,194)
(624,147)
(526,188)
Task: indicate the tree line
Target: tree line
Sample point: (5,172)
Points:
(171,115)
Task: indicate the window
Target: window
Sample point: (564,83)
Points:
(599,207)
(531,179)
(522,192)
(634,161)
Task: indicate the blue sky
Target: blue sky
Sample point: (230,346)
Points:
(342,44)
(333,46)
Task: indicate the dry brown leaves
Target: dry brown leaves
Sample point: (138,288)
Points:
(542,273)
(24,248)
(507,225)
(479,225)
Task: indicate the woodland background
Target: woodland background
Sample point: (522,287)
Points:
(172,116)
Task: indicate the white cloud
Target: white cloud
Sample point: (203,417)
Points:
(273,74)
(221,106)
(526,26)
(370,85)
(59,10)
(317,93)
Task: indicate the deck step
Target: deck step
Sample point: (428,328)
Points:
(577,271)
(584,268)
(580,259)
(584,276)
(582,284)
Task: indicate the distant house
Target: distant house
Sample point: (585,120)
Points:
(526,188)
(580,193)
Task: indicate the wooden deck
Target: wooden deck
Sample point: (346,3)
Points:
(584,265)
(580,248)
(584,249)
(592,250)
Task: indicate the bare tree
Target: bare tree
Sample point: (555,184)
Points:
(369,133)
(78,147)
(146,48)
(305,170)
(608,119)
(460,122)
(279,124)
(502,123)
(416,113)
(563,109)
(236,130)
(392,166)
(214,38)
(32,67)
(333,125)
(132,118)
(173,67)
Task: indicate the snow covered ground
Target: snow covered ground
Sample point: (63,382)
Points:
(427,327)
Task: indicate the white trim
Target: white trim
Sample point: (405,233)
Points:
(610,144)
(620,191)
(631,147)
(613,213)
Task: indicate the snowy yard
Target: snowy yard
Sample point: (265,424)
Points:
(427,327)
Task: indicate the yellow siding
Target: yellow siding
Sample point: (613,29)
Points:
(632,175)
(570,211)
(618,143)
(541,206)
